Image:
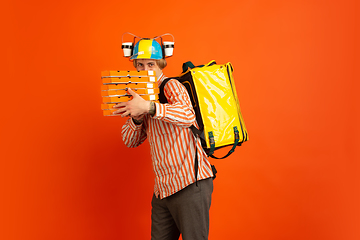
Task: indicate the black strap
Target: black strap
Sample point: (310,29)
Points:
(236,143)
(162,98)
(214,171)
(228,154)
(196,166)
(197,132)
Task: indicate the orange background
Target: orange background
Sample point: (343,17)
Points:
(65,173)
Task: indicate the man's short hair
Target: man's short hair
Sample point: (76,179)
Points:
(160,62)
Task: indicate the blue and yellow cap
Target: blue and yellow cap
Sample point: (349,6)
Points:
(147,49)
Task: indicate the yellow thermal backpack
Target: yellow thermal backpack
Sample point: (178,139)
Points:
(213,95)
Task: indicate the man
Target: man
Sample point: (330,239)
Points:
(180,204)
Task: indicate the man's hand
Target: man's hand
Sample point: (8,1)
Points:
(135,108)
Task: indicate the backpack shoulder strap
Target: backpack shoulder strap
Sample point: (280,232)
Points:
(162,98)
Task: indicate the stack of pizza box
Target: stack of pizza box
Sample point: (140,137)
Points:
(116,84)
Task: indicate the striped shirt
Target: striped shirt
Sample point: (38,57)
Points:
(172,143)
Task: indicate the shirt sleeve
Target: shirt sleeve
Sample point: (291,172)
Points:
(132,134)
(178,110)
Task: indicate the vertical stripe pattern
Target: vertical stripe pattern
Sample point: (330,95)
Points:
(172,144)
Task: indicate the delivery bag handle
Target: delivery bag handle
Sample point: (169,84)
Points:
(190,65)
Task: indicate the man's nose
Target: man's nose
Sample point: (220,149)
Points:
(146,68)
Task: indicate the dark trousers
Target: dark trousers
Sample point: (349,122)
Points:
(185,212)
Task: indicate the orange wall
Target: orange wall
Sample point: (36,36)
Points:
(65,173)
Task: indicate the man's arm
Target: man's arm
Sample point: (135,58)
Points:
(136,108)
(133,131)
(178,110)
(152,110)
(133,134)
